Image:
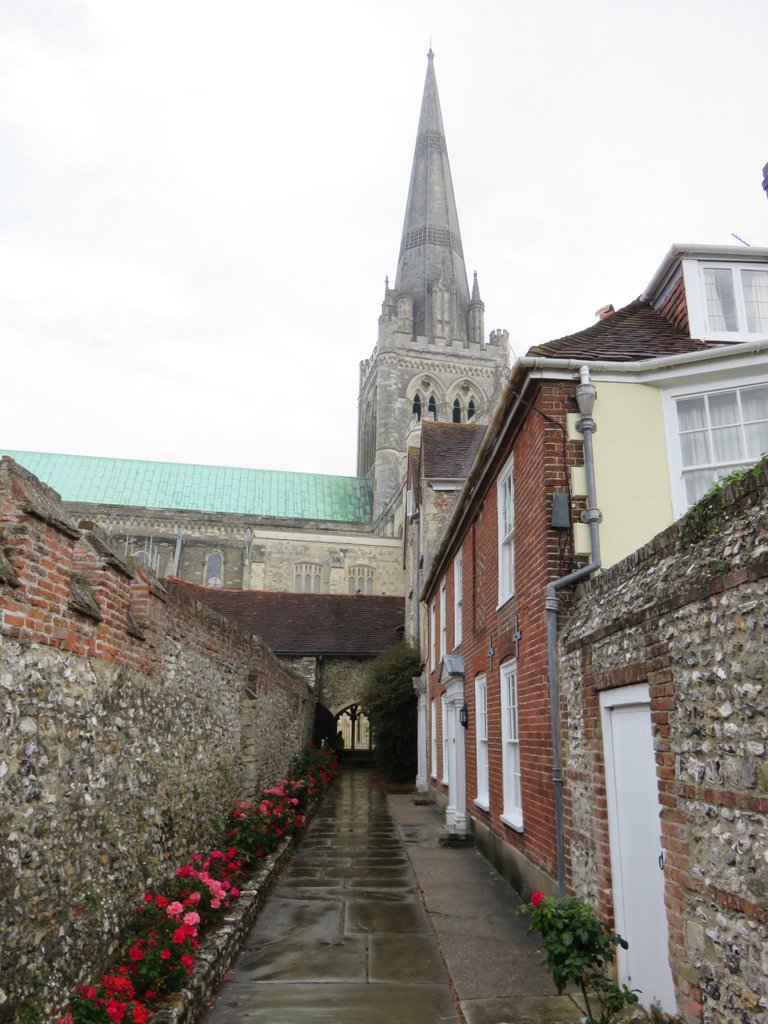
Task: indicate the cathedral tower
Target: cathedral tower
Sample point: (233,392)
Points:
(431,358)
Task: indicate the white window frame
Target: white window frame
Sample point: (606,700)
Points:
(432,639)
(511,776)
(506,551)
(443,621)
(433,740)
(481,741)
(674,447)
(458,596)
(695,289)
(444,723)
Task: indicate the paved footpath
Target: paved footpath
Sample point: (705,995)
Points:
(374,923)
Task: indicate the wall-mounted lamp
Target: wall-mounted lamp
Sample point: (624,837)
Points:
(464,715)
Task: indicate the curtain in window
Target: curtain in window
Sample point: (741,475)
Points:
(721,301)
(754,404)
(755,286)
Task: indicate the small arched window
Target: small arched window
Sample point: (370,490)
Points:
(416,408)
(214,570)
(471,409)
(456,411)
(432,407)
(142,556)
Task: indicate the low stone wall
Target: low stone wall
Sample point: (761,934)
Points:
(688,615)
(131,718)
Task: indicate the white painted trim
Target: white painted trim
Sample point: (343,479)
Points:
(672,432)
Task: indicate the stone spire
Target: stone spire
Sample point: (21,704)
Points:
(431,267)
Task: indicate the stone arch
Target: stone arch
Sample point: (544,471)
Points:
(466,396)
(427,388)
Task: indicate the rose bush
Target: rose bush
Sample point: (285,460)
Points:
(579,950)
(161,950)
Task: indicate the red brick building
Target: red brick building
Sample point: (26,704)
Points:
(681,387)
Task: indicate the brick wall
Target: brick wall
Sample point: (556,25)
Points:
(687,615)
(130,718)
(541,554)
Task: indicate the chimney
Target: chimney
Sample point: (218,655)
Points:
(604,312)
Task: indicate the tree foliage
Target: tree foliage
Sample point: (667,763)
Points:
(389,701)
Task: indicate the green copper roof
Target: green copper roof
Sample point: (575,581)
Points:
(256,492)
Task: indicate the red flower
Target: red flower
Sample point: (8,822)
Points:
(537,898)
(165,955)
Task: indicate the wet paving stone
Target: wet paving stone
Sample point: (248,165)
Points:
(344,937)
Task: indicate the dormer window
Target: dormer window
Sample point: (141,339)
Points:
(734,302)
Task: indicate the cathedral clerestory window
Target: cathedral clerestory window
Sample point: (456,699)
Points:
(214,570)
(416,408)
(457,411)
(306,578)
(432,407)
(360,579)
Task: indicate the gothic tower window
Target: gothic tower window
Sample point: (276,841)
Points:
(360,579)
(456,411)
(432,407)
(214,570)
(306,578)
(471,409)
(416,408)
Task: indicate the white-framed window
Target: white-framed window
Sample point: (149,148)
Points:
(443,622)
(360,579)
(727,301)
(717,432)
(505,499)
(481,740)
(433,740)
(512,813)
(458,593)
(306,578)
(432,641)
(444,724)
(214,570)
(735,299)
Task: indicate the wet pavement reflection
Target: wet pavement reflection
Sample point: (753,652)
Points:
(344,937)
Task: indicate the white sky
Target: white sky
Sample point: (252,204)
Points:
(199,201)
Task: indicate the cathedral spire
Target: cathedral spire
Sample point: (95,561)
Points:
(431,266)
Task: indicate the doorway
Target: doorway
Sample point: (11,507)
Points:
(637,859)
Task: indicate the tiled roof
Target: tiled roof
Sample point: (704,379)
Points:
(447,449)
(255,492)
(352,625)
(632,333)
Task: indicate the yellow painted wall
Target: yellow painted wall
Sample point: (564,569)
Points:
(631,472)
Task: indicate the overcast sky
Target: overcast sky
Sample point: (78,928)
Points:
(199,201)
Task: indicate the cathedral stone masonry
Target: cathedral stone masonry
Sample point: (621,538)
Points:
(132,717)
(688,614)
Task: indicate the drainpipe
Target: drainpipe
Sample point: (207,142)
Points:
(585,398)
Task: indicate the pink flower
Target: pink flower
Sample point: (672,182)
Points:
(174,909)
(215,904)
(191,918)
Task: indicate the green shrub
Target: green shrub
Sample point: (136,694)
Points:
(389,701)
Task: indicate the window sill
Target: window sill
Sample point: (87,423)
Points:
(515,823)
(484,805)
(503,601)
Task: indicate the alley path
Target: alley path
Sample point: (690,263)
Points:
(345,937)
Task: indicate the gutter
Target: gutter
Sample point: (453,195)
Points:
(585,397)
